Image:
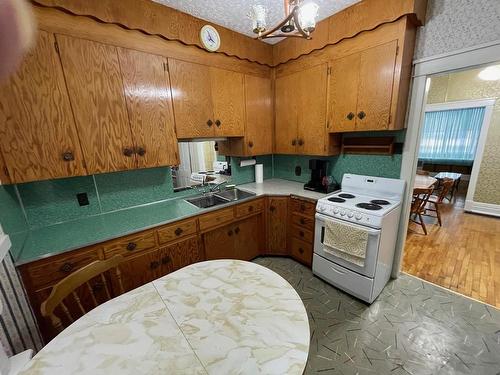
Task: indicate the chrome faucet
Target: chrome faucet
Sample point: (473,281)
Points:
(217,187)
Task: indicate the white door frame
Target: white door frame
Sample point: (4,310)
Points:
(464,59)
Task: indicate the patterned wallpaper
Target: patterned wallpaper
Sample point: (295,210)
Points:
(466,85)
(455,24)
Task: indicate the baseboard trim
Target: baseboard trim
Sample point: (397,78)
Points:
(482,208)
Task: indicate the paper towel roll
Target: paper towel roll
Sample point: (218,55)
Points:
(259,173)
(247,162)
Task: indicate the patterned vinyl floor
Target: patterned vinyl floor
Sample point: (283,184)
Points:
(412,328)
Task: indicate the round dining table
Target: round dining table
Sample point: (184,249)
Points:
(423,182)
(214,317)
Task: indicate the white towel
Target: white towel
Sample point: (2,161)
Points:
(346,242)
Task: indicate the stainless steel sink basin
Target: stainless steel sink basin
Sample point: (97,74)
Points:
(234,194)
(215,199)
(206,201)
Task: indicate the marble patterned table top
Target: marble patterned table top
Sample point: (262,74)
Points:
(215,317)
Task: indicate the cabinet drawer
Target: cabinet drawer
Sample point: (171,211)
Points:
(216,218)
(177,230)
(302,234)
(302,251)
(249,208)
(306,222)
(306,208)
(49,271)
(130,245)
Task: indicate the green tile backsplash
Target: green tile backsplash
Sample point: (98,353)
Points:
(244,175)
(11,213)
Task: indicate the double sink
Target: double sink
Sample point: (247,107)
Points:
(221,197)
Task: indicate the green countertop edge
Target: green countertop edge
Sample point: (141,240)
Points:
(60,238)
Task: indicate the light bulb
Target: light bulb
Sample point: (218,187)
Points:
(307,17)
(491,73)
(258,16)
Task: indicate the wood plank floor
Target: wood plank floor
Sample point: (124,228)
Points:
(463,255)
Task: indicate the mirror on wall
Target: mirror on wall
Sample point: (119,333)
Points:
(199,162)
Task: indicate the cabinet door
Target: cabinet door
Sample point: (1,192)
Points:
(286,114)
(228,96)
(376,76)
(149,103)
(311,125)
(92,72)
(140,270)
(219,243)
(4,173)
(248,242)
(277,224)
(343,93)
(37,131)
(192,96)
(182,254)
(259,115)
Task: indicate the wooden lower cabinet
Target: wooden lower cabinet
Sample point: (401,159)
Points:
(277,225)
(219,243)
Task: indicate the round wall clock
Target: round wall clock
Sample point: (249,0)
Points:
(210,38)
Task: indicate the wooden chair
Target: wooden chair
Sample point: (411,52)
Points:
(71,283)
(436,200)
(422,172)
(418,205)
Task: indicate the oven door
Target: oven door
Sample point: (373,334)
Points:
(368,269)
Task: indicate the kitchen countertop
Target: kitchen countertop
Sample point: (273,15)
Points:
(215,317)
(59,238)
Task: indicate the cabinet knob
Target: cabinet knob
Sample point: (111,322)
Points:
(250,208)
(131,246)
(230,232)
(302,221)
(301,142)
(272,208)
(67,267)
(350,116)
(294,142)
(154,264)
(218,123)
(301,234)
(210,123)
(250,144)
(68,156)
(141,151)
(237,230)
(178,231)
(361,115)
(128,151)
(301,250)
(166,259)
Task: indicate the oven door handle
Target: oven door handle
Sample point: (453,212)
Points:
(323,219)
(336,270)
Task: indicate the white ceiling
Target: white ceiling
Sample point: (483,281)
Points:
(233,13)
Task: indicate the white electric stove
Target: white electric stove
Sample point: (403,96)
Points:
(372,204)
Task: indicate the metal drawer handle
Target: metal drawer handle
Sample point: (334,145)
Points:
(67,267)
(68,156)
(336,270)
(131,246)
(178,231)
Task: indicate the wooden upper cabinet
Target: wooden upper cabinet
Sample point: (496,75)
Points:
(228,97)
(149,103)
(286,107)
(92,72)
(311,119)
(4,173)
(38,138)
(259,116)
(343,93)
(192,97)
(361,88)
(277,225)
(376,76)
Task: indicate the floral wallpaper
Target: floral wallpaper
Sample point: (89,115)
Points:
(455,24)
(466,85)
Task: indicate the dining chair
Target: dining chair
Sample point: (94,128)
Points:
(418,205)
(422,172)
(71,283)
(436,200)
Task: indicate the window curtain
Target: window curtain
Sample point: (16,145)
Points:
(451,135)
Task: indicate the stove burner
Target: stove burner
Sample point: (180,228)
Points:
(347,196)
(369,206)
(380,202)
(336,199)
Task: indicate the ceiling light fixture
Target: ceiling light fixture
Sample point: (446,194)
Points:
(491,73)
(299,22)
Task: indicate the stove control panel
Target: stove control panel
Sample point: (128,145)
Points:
(349,214)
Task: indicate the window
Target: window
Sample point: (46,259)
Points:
(451,135)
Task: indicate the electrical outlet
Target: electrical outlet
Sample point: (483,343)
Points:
(298,170)
(83,199)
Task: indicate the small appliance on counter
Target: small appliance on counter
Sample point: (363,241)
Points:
(319,181)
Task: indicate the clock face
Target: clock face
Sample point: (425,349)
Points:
(210,38)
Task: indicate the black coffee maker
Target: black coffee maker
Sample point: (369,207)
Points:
(320,182)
